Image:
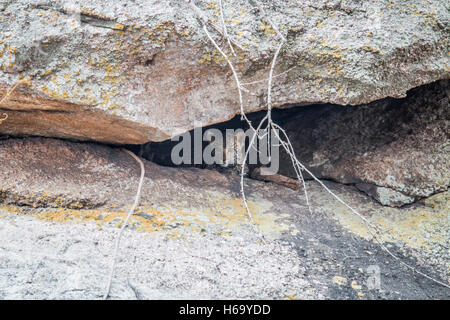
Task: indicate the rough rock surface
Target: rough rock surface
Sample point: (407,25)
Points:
(398,151)
(138,71)
(61,203)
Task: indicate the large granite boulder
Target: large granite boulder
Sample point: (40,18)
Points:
(139,71)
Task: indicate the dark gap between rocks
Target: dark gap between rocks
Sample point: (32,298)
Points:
(395,150)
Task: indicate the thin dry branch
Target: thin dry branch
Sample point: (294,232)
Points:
(375,233)
(8,93)
(269,87)
(275,178)
(125,223)
(208,21)
(287,145)
(26,81)
(5,116)
(235,75)
(242,173)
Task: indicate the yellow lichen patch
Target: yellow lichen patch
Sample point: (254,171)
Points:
(370,49)
(340,281)
(330,59)
(320,24)
(267,28)
(430,18)
(46,73)
(355,285)
(232,212)
(118,26)
(219,214)
(214,7)
(95,14)
(97,216)
(9,210)
(212,56)
(185,32)
(418,227)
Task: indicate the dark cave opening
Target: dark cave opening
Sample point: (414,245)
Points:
(378,123)
(391,145)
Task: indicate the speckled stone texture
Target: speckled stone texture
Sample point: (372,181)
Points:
(190,238)
(398,151)
(139,71)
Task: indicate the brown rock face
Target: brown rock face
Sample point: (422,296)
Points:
(133,72)
(396,150)
(31,114)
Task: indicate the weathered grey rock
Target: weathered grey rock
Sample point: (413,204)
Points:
(138,71)
(386,196)
(398,151)
(61,203)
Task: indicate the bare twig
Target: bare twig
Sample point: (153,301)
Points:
(275,178)
(10,91)
(136,201)
(242,174)
(376,232)
(208,21)
(5,116)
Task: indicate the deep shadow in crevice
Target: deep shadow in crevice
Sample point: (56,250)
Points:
(320,127)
